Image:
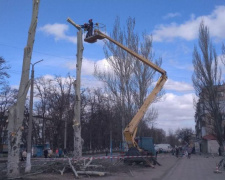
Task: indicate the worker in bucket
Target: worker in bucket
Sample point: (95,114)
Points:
(89,27)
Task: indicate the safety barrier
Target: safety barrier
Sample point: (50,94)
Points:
(94,158)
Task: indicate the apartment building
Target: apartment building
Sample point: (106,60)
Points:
(206,141)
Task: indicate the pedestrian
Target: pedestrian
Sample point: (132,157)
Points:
(60,152)
(189,152)
(186,153)
(156,153)
(46,153)
(65,151)
(106,151)
(57,152)
(49,153)
(24,155)
(219,150)
(177,152)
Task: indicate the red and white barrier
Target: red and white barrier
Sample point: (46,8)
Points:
(93,157)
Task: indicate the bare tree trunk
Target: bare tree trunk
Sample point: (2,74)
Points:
(65,134)
(29,138)
(76,121)
(16,113)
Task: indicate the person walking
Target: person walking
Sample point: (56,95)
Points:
(177,152)
(57,152)
(189,152)
(60,152)
(49,153)
(219,150)
(46,153)
(106,151)
(24,155)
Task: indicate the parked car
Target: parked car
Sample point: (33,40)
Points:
(163,148)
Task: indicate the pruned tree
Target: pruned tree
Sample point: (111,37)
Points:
(207,80)
(16,112)
(76,120)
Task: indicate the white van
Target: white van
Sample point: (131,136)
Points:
(163,147)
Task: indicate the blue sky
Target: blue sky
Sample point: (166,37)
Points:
(173,23)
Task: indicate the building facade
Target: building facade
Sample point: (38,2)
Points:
(206,140)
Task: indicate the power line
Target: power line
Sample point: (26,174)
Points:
(43,53)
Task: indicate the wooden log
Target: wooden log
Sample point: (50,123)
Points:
(72,167)
(62,171)
(92,173)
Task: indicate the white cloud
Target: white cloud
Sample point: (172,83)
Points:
(176,112)
(48,76)
(189,29)
(178,86)
(58,31)
(88,66)
(171,15)
(90,83)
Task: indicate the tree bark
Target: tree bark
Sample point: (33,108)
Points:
(76,121)
(65,134)
(16,113)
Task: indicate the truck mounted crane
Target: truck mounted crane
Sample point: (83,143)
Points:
(131,129)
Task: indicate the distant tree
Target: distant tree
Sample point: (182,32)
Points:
(7,99)
(44,87)
(148,121)
(55,108)
(172,139)
(99,121)
(223,54)
(184,135)
(3,71)
(158,134)
(130,81)
(207,80)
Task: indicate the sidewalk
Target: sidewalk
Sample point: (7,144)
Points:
(196,168)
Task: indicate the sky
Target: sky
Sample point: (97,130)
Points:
(174,25)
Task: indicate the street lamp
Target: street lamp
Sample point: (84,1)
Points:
(28,162)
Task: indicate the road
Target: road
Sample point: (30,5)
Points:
(196,168)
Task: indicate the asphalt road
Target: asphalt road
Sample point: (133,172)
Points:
(196,168)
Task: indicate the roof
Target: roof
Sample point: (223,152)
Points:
(209,137)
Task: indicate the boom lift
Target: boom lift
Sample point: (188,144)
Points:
(131,129)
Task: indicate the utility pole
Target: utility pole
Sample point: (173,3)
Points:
(29,142)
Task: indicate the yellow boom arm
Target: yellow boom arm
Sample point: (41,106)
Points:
(131,128)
